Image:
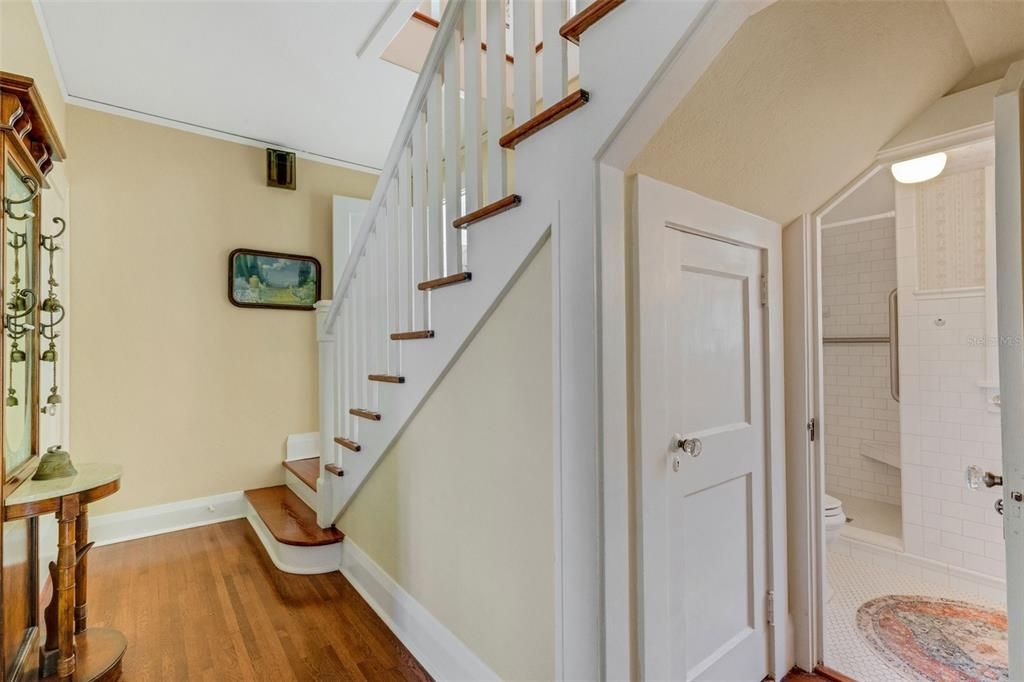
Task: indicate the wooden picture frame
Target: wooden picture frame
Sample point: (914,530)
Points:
(269,279)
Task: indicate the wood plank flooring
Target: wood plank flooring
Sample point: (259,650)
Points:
(207,604)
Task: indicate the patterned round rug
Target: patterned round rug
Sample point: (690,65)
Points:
(936,639)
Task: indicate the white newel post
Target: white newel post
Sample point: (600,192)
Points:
(328,452)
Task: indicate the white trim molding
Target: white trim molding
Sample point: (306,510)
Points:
(292,559)
(440,652)
(109,529)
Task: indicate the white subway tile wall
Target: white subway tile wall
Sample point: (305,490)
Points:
(946,421)
(858,266)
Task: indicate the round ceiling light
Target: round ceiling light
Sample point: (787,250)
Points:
(920,169)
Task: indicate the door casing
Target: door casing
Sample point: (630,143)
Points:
(806,459)
(729,224)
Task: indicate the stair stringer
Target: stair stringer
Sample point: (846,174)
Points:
(500,250)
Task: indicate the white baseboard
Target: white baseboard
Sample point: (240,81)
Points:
(971,582)
(441,653)
(292,559)
(107,529)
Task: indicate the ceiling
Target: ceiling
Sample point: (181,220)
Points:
(282,73)
(804,95)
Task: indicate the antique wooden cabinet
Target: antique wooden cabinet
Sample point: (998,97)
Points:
(29,147)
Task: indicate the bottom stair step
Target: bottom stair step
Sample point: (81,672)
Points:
(288,518)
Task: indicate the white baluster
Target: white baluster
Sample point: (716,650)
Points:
(369,321)
(393,324)
(357,319)
(404,243)
(419,222)
(365,325)
(435,180)
(351,378)
(452,176)
(380,306)
(495,99)
(554,58)
(525,56)
(472,90)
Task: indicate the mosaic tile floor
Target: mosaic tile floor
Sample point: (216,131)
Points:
(855,582)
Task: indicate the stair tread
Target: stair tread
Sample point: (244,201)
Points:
(488,211)
(288,518)
(334,469)
(575,27)
(306,470)
(387,378)
(554,113)
(410,336)
(457,278)
(365,414)
(349,444)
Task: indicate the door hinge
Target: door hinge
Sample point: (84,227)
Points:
(771,607)
(764,290)
(812,428)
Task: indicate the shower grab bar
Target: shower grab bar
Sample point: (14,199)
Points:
(855,339)
(894,345)
(893,340)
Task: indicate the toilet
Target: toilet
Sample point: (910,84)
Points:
(835,519)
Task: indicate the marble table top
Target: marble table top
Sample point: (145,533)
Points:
(90,475)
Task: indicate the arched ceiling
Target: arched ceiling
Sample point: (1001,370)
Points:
(806,92)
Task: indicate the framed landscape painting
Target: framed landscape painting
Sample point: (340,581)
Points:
(265,279)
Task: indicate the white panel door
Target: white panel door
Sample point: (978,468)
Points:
(1010,294)
(704,454)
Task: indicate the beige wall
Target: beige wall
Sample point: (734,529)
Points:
(192,395)
(801,99)
(460,510)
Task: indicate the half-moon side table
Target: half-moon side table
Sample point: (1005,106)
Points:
(72,651)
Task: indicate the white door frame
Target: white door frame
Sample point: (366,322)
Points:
(805,396)
(765,236)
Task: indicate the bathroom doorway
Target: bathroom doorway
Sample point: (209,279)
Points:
(910,423)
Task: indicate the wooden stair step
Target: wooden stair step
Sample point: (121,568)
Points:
(545,118)
(575,27)
(410,336)
(365,414)
(306,470)
(334,469)
(387,378)
(493,209)
(288,518)
(348,444)
(457,278)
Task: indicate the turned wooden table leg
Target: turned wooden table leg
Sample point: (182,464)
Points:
(65,587)
(81,571)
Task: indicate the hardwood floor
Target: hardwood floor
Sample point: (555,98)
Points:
(207,604)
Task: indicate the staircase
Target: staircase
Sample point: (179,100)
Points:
(448,230)
(445,235)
